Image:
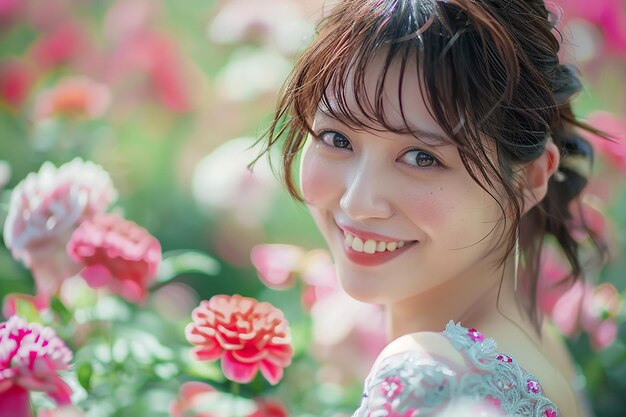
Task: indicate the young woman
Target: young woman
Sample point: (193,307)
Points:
(438,149)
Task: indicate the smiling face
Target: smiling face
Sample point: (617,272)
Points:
(401,215)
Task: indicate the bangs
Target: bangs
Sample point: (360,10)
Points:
(477,85)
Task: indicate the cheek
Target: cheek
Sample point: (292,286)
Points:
(318,179)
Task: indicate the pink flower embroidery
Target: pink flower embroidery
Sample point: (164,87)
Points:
(391,387)
(30,358)
(475,335)
(533,386)
(504,358)
(246,334)
(116,253)
(44,210)
(550,413)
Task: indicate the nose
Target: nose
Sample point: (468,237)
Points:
(365,196)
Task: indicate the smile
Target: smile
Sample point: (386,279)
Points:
(371,246)
(370,252)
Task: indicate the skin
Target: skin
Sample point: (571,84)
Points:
(371,181)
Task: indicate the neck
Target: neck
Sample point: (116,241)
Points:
(469,299)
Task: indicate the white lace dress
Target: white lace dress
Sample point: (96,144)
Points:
(411,384)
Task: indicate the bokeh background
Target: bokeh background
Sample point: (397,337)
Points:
(168,97)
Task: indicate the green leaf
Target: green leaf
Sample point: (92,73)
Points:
(27,310)
(59,309)
(177,263)
(83,373)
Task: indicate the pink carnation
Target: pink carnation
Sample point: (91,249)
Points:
(246,334)
(44,210)
(30,359)
(116,253)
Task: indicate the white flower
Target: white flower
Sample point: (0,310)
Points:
(251,73)
(44,210)
(222,181)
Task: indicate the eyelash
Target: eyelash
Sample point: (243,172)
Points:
(435,163)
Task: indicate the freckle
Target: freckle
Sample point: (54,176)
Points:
(440,188)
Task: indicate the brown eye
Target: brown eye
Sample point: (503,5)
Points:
(335,140)
(419,159)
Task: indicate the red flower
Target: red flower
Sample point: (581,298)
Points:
(246,334)
(30,358)
(59,46)
(116,253)
(15,82)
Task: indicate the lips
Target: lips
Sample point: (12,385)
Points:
(366,259)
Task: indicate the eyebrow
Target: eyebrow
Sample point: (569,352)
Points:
(432,138)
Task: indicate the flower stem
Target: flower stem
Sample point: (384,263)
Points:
(234,390)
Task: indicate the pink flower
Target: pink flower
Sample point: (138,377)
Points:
(15,402)
(59,46)
(246,334)
(9,11)
(116,253)
(277,264)
(16,80)
(614,151)
(589,309)
(602,306)
(589,216)
(552,283)
(607,15)
(31,357)
(156,57)
(74,97)
(44,210)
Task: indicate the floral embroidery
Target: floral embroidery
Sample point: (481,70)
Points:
(475,335)
(392,387)
(551,413)
(533,386)
(412,384)
(504,358)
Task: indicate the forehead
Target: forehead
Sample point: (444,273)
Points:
(382,95)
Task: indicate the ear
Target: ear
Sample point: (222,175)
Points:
(536,175)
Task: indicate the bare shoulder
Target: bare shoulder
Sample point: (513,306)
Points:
(426,343)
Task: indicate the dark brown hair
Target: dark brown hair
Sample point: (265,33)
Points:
(487,68)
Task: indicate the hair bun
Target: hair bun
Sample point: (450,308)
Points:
(566,83)
(575,166)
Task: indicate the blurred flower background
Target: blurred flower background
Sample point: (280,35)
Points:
(125,131)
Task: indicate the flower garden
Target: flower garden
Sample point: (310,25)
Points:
(146,271)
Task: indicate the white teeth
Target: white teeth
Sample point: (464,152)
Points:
(369,246)
(357,244)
